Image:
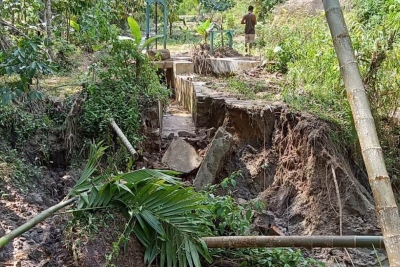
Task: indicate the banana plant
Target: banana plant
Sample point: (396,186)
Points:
(204,28)
(137,34)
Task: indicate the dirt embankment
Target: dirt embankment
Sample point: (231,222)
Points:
(293,162)
(299,167)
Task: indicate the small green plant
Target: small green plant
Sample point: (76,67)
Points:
(282,57)
(204,28)
(95,27)
(231,218)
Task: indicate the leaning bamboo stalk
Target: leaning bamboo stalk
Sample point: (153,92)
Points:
(294,241)
(124,140)
(32,222)
(385,203)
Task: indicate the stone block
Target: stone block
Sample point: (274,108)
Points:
(183,67)
(181,156)
(213,160)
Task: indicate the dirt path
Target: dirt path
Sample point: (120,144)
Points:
(175,120)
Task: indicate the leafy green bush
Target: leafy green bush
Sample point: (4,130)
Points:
(95,26)
(301,47)
(217,5)
(23,65)
(124,84)
(265,7)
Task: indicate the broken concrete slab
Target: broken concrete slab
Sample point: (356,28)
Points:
(213,160)
(232,65)
(181,156)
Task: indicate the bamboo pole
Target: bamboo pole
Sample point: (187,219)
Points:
(385,203)
(294,241)
(124,140)
(32,222)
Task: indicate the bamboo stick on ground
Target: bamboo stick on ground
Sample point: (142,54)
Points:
(294,241)
(124,140)
(32,222)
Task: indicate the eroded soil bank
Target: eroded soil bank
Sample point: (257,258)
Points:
(297,165)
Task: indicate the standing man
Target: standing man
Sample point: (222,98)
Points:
(250,21)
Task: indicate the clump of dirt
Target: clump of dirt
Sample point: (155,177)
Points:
(201,56)
(226,51)
(309,164)
(92,245)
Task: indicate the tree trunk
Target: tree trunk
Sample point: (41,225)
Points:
(48,17)
(385,203)
(222,28)
(67,25)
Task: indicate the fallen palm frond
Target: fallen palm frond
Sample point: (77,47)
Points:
(159,210)
(168,219)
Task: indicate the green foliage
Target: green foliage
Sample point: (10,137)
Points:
(245,89)
(262,257)
(127,83)
(18,123)
(204,28)
(217,5)
(228,217)
(17,171)
(23,65)
(135,30)
(266,6)
(231,218)
(173,12)
(137,34)
(65,55)
(301,47)
(95,26)
(160,212)
(188,7)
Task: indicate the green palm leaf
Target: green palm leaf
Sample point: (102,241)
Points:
(160,211)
